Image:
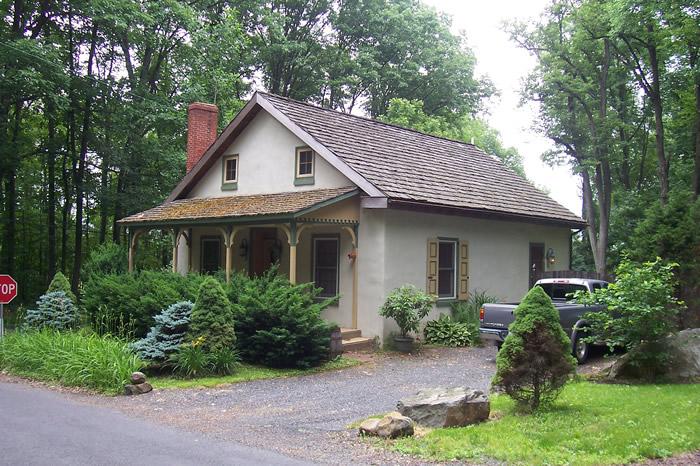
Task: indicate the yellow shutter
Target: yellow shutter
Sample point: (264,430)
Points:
(463,277)
(432,268)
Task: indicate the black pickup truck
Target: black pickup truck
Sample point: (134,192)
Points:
(495,318)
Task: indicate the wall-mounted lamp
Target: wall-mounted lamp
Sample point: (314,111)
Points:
(243,248)
(551,256)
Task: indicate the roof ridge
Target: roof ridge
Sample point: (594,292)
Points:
(372,120)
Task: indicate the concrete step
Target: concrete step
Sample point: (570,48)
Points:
(358,344)
(348,333)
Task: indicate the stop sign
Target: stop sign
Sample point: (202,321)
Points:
(8,289)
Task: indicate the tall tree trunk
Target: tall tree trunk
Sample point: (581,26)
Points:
(80,175)
(696,174)
(51,168)
(655,96)
(10,247)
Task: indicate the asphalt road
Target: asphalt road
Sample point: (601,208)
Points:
(40,427)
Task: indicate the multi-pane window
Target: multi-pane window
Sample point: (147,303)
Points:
(305,163)
(325,265)
(231,169)
(447,264)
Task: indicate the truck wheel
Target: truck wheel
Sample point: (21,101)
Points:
(581,348)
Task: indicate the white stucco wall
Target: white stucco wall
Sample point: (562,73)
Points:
(498,256)
(266,163)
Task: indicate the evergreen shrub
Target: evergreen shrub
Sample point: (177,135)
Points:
(212,318)
(61,283)
(54,310)
(168,333)
(136,297)
(105,259)
(279,324)
(535,361)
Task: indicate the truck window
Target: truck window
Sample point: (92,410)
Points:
(560,291)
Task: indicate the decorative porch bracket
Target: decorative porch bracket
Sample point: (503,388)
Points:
(292,235)
(229,234)
(133,236)
(177,234)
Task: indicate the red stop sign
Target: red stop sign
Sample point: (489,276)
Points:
(8,289)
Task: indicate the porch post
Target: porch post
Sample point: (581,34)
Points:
(133,237)
(293,252)
(353,236)
(176,240)
(188,238)
(229,235)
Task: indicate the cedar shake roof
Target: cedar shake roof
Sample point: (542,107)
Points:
(236,207)
(418,168)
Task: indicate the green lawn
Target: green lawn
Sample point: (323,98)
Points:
(589,424)
(248,372)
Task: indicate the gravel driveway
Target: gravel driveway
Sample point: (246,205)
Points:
(307,417)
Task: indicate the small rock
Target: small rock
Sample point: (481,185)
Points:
(441,407)
(139,389)
(138,378)
(392,425)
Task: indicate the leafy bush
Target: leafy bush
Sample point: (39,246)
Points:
(444,331)
(407,305)
(61,283)
(467,311)
(138,296)
(535,361)
(192,360)
(168,333)
(105,259)
(78,359)
(54,310)
(212,318)
(671,232)
(224,361)
(280,324)
(640,310)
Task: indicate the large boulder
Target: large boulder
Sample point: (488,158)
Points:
(683,366)
(392,425)
(443,407)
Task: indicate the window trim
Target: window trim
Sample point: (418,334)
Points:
(455,267)
(306,178)
(229,185)
(336,238)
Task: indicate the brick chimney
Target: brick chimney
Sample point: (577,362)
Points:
(202,121)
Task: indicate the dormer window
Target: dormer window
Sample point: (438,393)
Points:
(304,166)
(230,173)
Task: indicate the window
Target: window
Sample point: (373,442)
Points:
(325,265)
(304,172)
(231,169)
(561,291)
(210,260)
(447,264)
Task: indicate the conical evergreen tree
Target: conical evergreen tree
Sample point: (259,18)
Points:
(167,335)
(212,318)
(535,361)
(61,283)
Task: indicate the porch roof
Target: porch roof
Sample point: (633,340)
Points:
(239,208)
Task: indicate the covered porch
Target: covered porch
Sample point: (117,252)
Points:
(312,236)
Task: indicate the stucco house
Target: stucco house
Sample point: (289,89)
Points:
(357,206)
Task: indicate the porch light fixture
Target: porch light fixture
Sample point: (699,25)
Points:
(243,248)
(551,256)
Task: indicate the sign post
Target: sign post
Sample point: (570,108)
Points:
(8,292)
